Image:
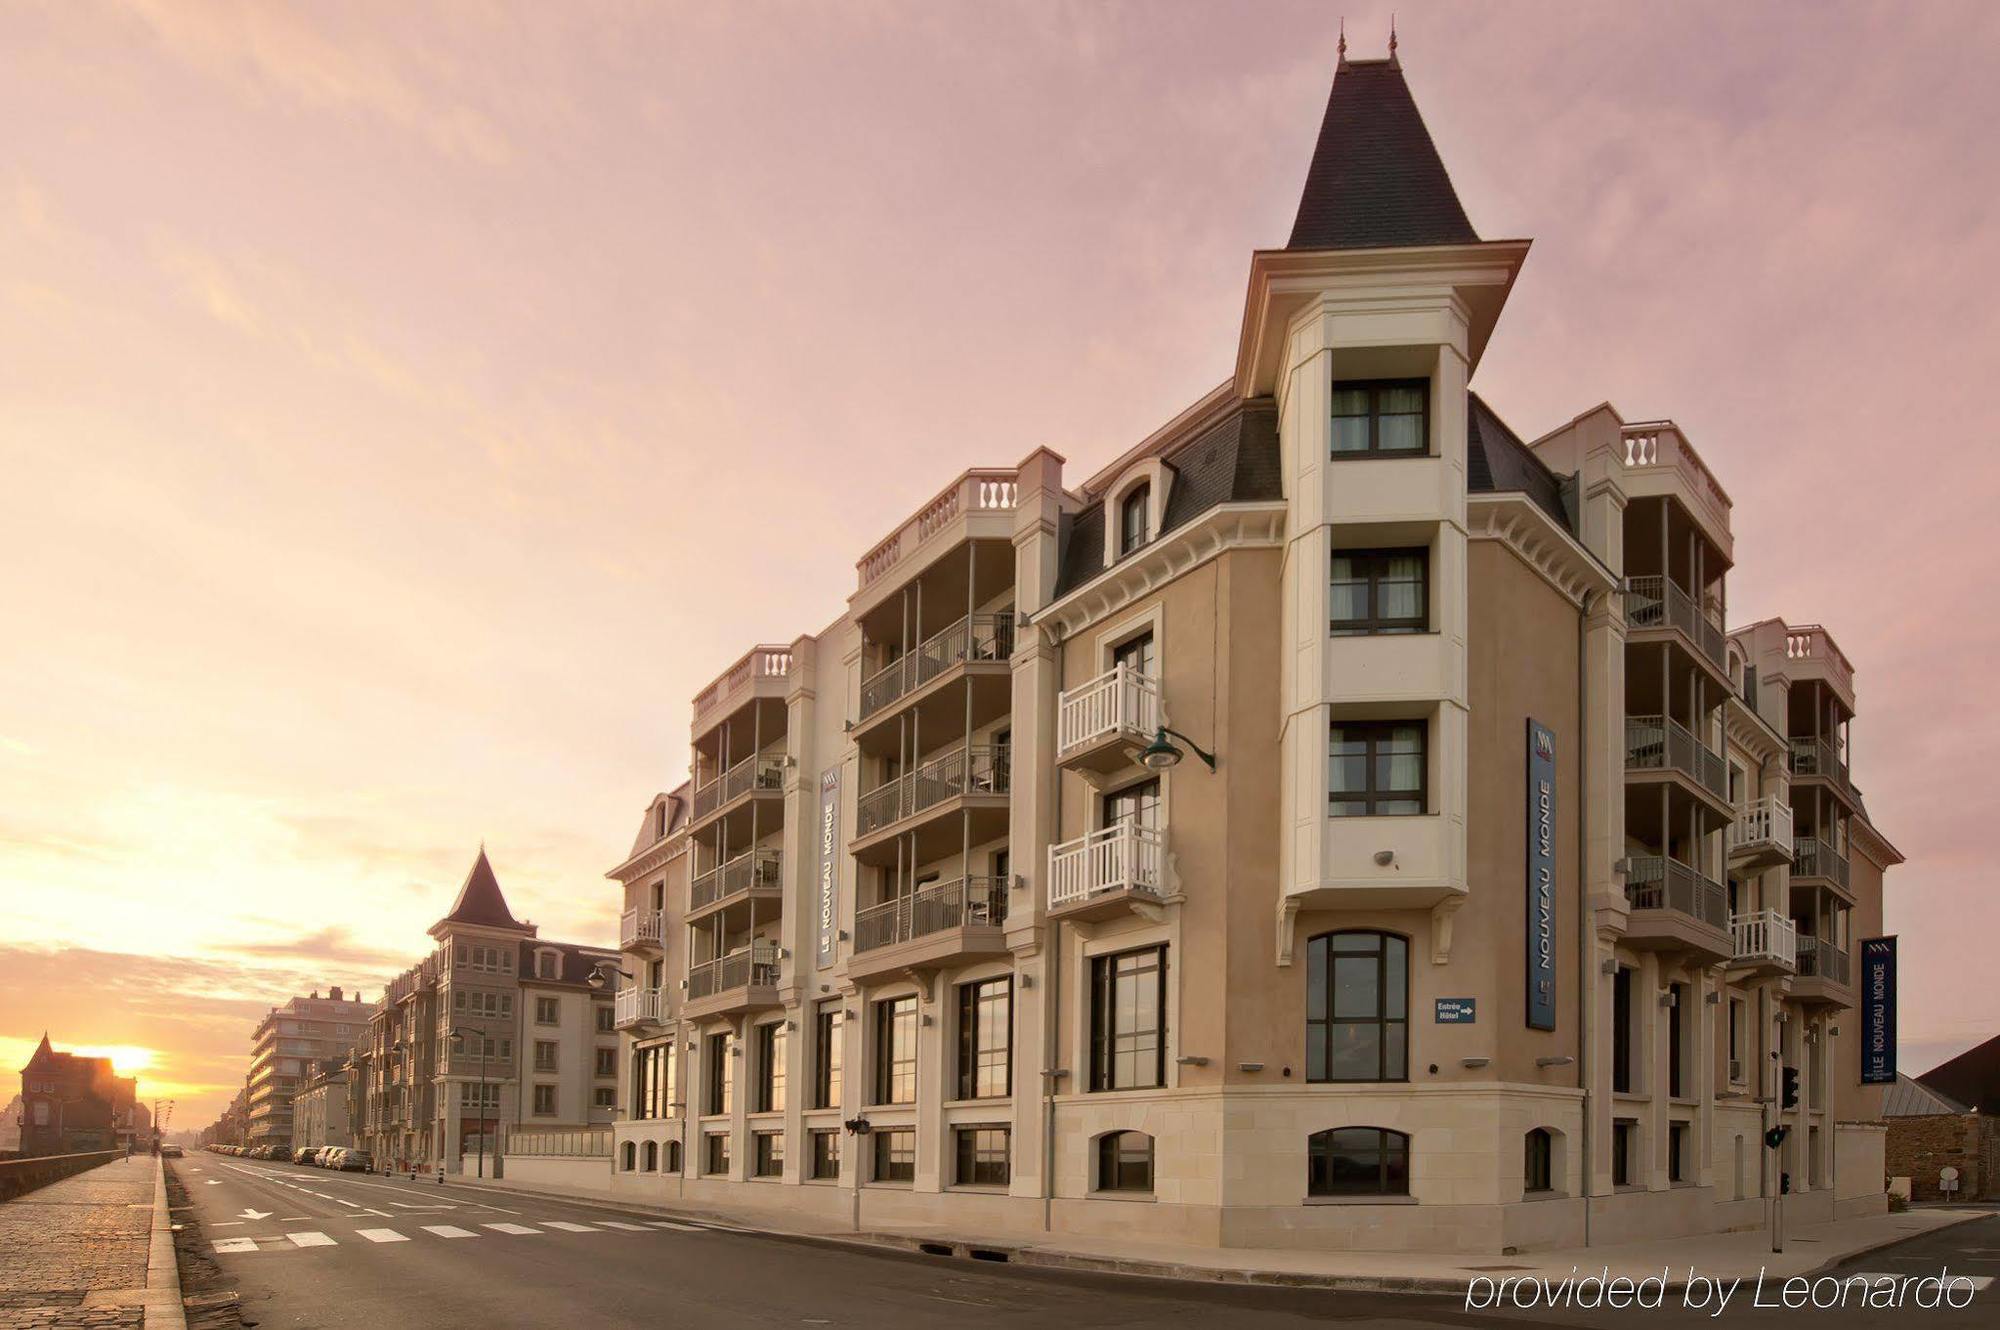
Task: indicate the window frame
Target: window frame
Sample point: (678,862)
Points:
(1320,1146)
(829,1052)
(879,1144)
(1139,499)
(1538,1148)
(1103,1006)
(542,1092)
(1374,733)
(1112,1166)
(894,1014)
(1321,953)
(1376,388)
(718,1096)
(974,1058)
(767,1154)
(1373,565)
(966,1150)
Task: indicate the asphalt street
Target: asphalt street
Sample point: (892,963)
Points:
(311,1248)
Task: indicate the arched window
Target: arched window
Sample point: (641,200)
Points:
(1135,518)
(1357,1161)
(631,1156)
(1125,1161)
(1357,1007)
(652,1156)
(1537,1173)
(673,1156)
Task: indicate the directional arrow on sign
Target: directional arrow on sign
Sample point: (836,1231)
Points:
(254,1214)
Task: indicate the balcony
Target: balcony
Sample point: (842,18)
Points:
(973,779)
(754,872)
(1676,907)
(639,930)
(1816,759)
(764,671)
(1662,744)
(764,775)
(1811,653)
(979,504)
(1761,836)
(1097,722)
(1818,859)
(1108,870)
(1656,603)
(977,639)
(1766,940)
(939,924)
(1822,973)
(745,980)
(638,1006)
(1659,461)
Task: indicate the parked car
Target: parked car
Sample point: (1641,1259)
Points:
(171,1152)
(330,1157)
(355,1161)
(306,1154)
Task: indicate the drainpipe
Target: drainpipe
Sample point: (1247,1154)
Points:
(1051,1027)
(1586,979)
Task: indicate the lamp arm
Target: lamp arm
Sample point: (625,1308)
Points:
(1199,751)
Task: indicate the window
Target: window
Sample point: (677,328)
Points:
(895,1154)
(768,1156)
(1736,1040)
(547,1010)
(1676,1040)
(604,1097)
(1538,1168)
(1677,1151)
(469,1095)
(985,1029)
(653,1081)
(715,1147)
(1125,1161)
(1379,591)
(652,1156)
(1624,1142)
(1357,1007)
(545,1055)
(1621,1030)
(825,1152)
(673,1157)
(826,1055)
(631,1156)
(546,964)
(545,1101)
(982,1156)
(1385,416)
(896,1051)
(716,1068)
(1135,518)
(1357,1161)
(1377,769)
(604,1018)
(1137,804)
(771,1067)
(607,1061)
(1128,1020)
(1137,656)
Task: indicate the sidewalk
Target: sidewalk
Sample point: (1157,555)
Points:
(94,1250)
(1808,1249)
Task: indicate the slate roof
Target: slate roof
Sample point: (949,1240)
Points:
(1376,180)
(1909,1098)
(1497,462)
(1972,1078)
(480,901)
(1234,460)
(577,963)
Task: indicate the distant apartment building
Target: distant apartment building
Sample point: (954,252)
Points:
(1338,821)
(287,1042)
(73,1104)
(325,1106)
(535,1045)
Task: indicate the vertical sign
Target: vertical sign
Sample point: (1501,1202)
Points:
(1541,876)
(1878,1011)
(829,862)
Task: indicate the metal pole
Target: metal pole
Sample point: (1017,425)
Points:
(482,1107)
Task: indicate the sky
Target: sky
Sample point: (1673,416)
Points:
(404,410)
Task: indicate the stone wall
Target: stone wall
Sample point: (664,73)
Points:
(1918,1147)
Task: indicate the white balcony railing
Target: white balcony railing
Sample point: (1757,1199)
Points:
(1765,824)
(637,1006)
(1765,935)
(1119,701)
(1122,857)
(639,928)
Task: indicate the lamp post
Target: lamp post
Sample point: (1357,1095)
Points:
(460,1033)
(1162,754)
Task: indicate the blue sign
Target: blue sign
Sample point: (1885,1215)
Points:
(1878,1011)
(1457,1011)
(1541,894)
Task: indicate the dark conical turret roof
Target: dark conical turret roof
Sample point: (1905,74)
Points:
(480,901)
(1376,180)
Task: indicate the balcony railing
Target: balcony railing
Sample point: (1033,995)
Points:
(765,662)
(1659,743)
(1810,642)
(976,637)
(638,1006)
(1658,602)
(1655,883)
(1817,757)
(931,909)
(1813,857)
(1122,857)
(1660,444)
(975,491)
(978,769)
(762,773)
(1121,700)
(1820,959)
(1765,823)
(639,928)
(755,966)
(753,868)
(1765,935)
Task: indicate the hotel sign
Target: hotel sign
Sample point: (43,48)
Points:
(1457,1011)
(1541,894)
(1878,1011)
(829,863)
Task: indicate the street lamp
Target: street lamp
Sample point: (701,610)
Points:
(462,1034)
(1161,754)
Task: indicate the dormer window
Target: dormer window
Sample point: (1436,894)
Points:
(1135,526)
(545,965)
(1389,417)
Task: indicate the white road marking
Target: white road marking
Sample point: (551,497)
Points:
(251,1213)
(381,1235)
(668,1223)
(447,1231)
(214,1182)
(1979,1283)
(344,1201)
(566,1226)
(227,1223)
(407,1206)
(310,1239)
(511,1228)
(226,1245)
(629,1228)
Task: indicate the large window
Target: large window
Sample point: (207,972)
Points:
(1138,655)
(1538,1169)
(1382,416)
(985,1030)
(1624,1147)
(1621,1030)
(1128,1020)
(895,1154)
(1357,1007)
(1137,804)
(1125,1161)
(653,1081)
(771,1067)
(826,1055)
(715,1067)
(896,1051)
(1379,591)
(768,1154)
(716,1157)
(548,1010)
(825,1159)
(1376,769)
(982,1156)
(1677,1041)
(545,1055)
(1135,518)
(545,1101)
(1357,1161)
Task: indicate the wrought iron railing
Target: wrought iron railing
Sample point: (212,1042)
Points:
(975,637)
(932,909)
(752,967)
(1658,602)
(747,871)
(1660,743)
(1657,883)
(978,769)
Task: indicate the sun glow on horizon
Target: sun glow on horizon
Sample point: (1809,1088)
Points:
(126,1059)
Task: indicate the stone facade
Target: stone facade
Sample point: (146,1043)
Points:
(1918,1147)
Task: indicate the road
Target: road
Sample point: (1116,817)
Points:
(310,1248)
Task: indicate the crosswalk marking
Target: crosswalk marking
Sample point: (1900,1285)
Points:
(511,1228)
(566,1226)
(449,1231)
(629,1228)
(668,1223)
(310,1239)
(381,1235)
(315,1238)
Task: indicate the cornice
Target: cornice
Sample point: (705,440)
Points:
(1224,527)
(1522,525)
(654,856)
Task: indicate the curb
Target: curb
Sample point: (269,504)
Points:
(164,1309)
(1826,1267)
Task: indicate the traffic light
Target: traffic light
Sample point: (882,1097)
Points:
(1788,1087)
(1784,1184)
(1775,1137)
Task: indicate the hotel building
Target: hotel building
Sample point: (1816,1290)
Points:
(1341,820)
(287,1042)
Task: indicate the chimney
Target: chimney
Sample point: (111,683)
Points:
(315,995)
(333,993)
